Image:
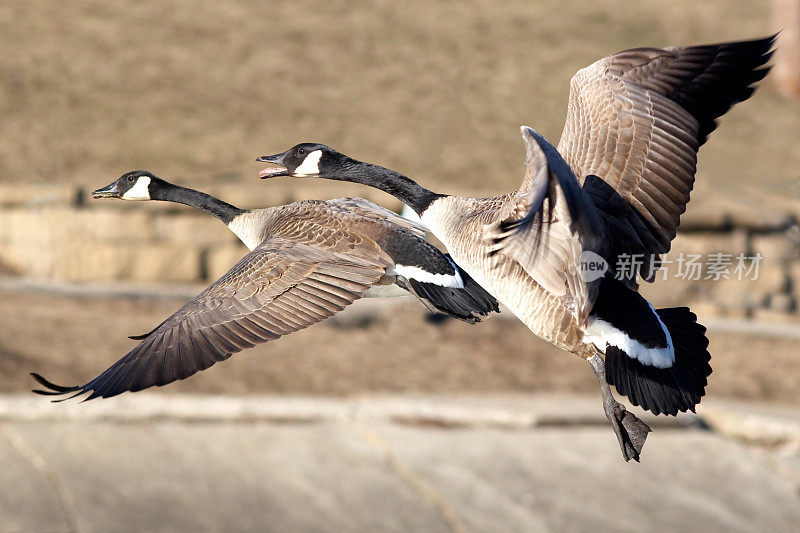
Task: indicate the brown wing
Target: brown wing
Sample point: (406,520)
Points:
(282,286)
(404,240)
(373,211)
(547,227)
(636,120)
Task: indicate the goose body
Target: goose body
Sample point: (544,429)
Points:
(308,261)
(413,258)
(545,314)
(615,186)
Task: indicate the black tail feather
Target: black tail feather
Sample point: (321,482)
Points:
(469,303)
(666,390)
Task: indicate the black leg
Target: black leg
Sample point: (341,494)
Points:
(631,432)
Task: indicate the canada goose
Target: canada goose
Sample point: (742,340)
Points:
(309,260)
(616,185)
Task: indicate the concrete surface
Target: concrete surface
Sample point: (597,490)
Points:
(160,462)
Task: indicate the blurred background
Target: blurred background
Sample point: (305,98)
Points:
(195,91)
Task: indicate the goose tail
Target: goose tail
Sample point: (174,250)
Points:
(675,388)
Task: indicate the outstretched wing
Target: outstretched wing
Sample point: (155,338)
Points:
(280,287)
(548,224)
(636,120)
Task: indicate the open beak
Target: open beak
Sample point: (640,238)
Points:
(272,172)
(109,191)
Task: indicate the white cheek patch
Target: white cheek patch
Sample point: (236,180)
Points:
(310,166)
(139,191)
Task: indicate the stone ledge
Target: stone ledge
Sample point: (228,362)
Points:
(712,209)
(37,194)
(757,424)
(247,194)
(753,423)
(507,411)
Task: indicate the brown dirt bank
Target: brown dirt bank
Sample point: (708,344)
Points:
(71,339)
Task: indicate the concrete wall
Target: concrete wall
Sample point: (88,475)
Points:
(52,232)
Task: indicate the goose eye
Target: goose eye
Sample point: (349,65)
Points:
(130,178)
(301,151)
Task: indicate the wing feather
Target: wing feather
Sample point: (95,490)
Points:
(636,120)
(547,225)
(278,288)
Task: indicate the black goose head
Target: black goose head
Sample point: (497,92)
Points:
(319,161)
(306,160)
(135,185)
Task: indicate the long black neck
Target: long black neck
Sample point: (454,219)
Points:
(183,195)
(404,189)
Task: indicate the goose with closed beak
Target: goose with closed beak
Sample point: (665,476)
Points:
(308,261)
(614,188)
